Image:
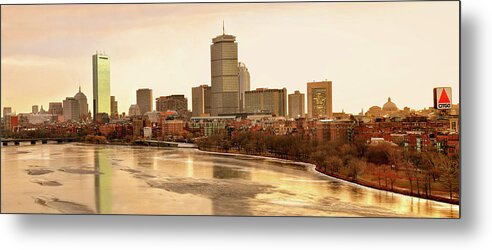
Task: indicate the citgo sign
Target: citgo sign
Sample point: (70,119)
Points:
(442,98)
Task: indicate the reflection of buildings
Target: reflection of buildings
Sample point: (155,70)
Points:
(103,187)
(319,98)
(225,75)
(101,84)
(263,99)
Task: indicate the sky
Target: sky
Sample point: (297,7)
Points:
(370,51)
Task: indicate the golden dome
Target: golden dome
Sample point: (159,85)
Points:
(390,106)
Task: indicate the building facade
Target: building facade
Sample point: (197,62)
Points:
(297,105)
(35,109)
(55,108)
(101,84)
(201,100)
(84,107)
(177,103)
(114,107)
(144,100)
(225,75)
(71,109)
(244,84)
(134,110)
(263,99)
(319,99)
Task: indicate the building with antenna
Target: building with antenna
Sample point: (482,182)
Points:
(224,74)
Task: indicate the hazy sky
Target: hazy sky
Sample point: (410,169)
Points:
(369,50)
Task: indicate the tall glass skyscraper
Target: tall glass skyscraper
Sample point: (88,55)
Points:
(101,84)
(225,75)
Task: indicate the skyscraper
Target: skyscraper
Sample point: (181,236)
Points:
(225,75)
(114,107)
(84,107)
(144,100)
(201,100)
(101,84)
(262,99)
(71,109)
(244,83)
(296,104)
(319,98)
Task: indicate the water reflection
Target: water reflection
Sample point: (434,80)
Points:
(102,182)
(140,180)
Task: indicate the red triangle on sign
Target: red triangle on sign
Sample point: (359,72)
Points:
(444,97)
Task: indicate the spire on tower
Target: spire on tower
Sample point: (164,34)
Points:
(223,27)
(79,88)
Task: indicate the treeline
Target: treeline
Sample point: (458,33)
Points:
(428,174)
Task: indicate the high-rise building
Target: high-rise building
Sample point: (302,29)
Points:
(101,84)
(177,103)
(225,75)
(55,108)
(244,83)
(71,109)
(296,105)
(35,109)
(319,99)
(114,107)
(263,99)
(134,110)
(201,100)
(6,111)
(144,100)
(84,107)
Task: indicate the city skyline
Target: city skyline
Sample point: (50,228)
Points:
(357,84)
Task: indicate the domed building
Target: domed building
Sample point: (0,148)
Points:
(390,107)
(374,111)
(84,107)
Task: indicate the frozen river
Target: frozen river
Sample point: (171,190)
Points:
(78,178)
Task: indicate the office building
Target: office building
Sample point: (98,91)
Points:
(201,100)
(177,103)
(71,109)
(266,100)
(101,84)
(114,107)
(55,108)
(225,75)
(134,110)
(244,83)
(319,99)
(144,100)
(6,111)
(296,105)
(35,109)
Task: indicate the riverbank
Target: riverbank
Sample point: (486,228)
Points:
(361,182)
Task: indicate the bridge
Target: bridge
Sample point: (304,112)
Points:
(6,141)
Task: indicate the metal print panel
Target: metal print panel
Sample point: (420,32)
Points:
(336,109)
